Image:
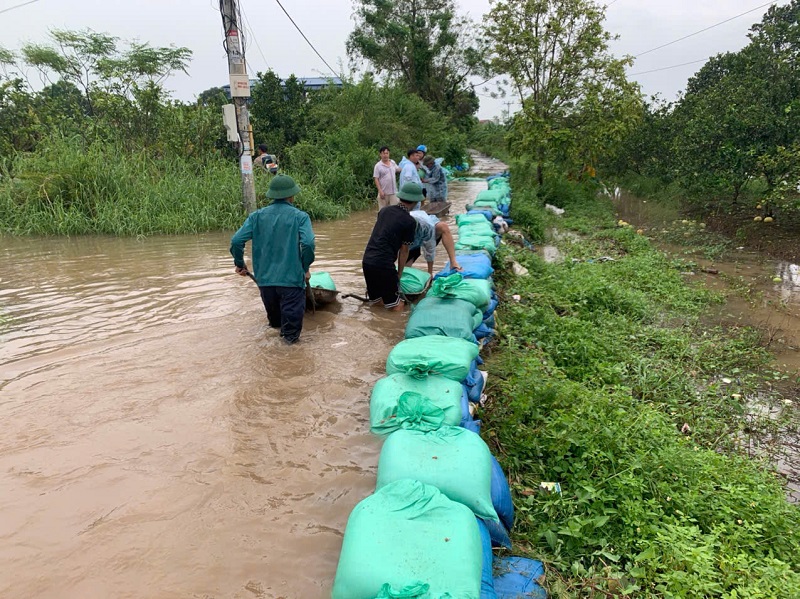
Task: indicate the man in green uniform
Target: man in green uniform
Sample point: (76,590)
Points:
(283,250)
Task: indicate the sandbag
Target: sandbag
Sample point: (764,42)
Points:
(479,218)
(447,317)
(474,383)
(386,414)
(478,292)
(501,495)
(483,333)
(487,571)
(422,356)
(474,265)
(413,280)
(454,460)
(322,280)
(486,213)
(408,536)
(472,242)
(485,229)
(519,577)
(491,195)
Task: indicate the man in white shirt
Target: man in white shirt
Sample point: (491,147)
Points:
(384,174)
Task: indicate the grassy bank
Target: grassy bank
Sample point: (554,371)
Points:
(70,190)
(605,380)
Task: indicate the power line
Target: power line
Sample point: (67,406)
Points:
(706,29)
(304,37)
(255,39)
(18,6)
(675,66)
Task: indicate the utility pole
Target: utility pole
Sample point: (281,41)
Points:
(240,92)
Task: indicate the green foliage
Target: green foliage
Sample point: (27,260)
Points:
(491,139)
(427,47)
(605,380)
(735,128)
(103,149)
(577,102)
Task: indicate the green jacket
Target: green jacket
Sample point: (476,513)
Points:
(283,245)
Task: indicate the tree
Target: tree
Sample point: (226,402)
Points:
(93,63)
(576,99)
(427,46)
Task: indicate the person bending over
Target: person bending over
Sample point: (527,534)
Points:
(430,231)
(390,240)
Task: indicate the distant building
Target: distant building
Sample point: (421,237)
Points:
(310,83)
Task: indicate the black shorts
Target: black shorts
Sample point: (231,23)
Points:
(382,284)
(416,252)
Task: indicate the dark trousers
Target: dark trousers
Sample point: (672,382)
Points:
(285,308)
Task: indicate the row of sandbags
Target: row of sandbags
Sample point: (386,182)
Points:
(441,500)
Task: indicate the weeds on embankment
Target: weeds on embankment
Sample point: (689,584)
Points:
(69,189)
(605,380)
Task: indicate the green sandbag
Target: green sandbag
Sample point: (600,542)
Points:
(453,459)
(480,229)
(473,242)
(465,219)
(440,397)
(499,183)
(478,292)
(408,536)
(447,317)
(413,280)
(322,280)
(489,204)
(497,196)
(421,356)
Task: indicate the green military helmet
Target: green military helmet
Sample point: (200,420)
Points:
(282,187)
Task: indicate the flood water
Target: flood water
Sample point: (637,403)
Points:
(159,440)
(772,302)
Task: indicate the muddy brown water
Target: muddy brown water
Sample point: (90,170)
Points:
(159,440)
(772,303)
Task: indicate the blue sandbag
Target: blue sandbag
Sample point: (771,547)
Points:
(492,307)
(474,266)
(518,577)
(474,383)
(483,332)
(487,569)
(487,213)
(498,533)
(465,415)
(501,495)
(490,321)
(475,427)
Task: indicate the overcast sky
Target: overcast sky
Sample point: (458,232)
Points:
(196,24)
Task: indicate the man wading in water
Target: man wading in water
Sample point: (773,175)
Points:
(391,238)
(283,250)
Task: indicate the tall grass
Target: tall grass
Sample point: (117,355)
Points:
(72,189)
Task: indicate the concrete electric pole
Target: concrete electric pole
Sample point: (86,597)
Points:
(240,92)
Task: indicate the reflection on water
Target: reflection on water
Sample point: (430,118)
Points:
(159,440)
